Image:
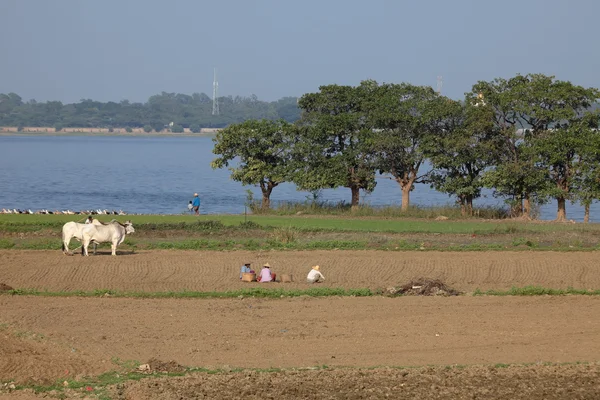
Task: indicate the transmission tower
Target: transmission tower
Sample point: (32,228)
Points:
(440,83)
(215,110)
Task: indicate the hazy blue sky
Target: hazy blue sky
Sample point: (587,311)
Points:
(131,49)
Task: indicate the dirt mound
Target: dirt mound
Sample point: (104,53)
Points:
(423,287)
(514,382)
(156,365)
(4,287)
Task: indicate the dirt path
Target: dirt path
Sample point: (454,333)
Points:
(218,271)
(48,336)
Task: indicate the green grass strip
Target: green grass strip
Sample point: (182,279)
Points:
(263,292)
(250,292)
(22,222)
(536,291)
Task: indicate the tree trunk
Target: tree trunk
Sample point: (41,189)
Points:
(355,197)
(526,205)
(266,200)
(469,204)
(561,214)
(586,217)
(406,185)
(266,195)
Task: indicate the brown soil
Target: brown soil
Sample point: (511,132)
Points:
(533,382)
(219,271)
(47,338)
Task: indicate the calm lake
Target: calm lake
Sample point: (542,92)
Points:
(159,175)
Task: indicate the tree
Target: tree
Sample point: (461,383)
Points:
(195,128)
(405,118)
(525,108)
(262,150)
(147,128)
(177,128)
(586,180)
(564,152)
(335,146)
(461,152)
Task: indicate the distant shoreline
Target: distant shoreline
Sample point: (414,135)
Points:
(106,134)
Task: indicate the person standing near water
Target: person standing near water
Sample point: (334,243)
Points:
(196,204)
(190,207)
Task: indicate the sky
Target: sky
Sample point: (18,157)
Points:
(112,50)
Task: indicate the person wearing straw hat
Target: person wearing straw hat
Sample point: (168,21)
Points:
(266,275)
(196,204)
(315,275)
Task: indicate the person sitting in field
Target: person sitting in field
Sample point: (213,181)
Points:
(315,276)
(245,269)
(266,275)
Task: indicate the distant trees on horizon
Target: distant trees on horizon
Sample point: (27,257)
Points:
(184,111)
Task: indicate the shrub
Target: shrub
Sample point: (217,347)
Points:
(58,127)
(147,128)
(195,128)
(285,235)
(177,128)
(128,130)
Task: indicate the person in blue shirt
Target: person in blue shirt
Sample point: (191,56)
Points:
(245,269)
(196,204)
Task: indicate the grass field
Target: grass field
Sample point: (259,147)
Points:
(267,232)
(320,223)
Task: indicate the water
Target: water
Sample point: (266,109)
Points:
(159,175)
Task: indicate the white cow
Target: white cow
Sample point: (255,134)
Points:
(113,232)
(73,230)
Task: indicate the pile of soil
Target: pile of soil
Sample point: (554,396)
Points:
(167,367)
(4,287)
(423,287)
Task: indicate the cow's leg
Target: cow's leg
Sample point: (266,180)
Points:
(95,246)
(84,248)
(113,247)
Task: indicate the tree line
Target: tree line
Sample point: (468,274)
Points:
(530,139)
(184,111)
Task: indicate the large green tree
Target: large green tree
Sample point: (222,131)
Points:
(462,151)
(525,108)
(565,152)
(257,153)
(335,146)
(404,118)
(586,180)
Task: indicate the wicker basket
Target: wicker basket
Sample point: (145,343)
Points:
(248,277)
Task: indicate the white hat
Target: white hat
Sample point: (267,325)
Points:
(195,194)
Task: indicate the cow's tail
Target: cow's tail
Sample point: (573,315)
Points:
(63,242)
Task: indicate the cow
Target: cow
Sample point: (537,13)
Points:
(73,230)
(113,232)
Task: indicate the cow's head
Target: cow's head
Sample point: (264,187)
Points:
(128,227)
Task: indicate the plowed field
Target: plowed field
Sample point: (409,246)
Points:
(219,271)
(43,339)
